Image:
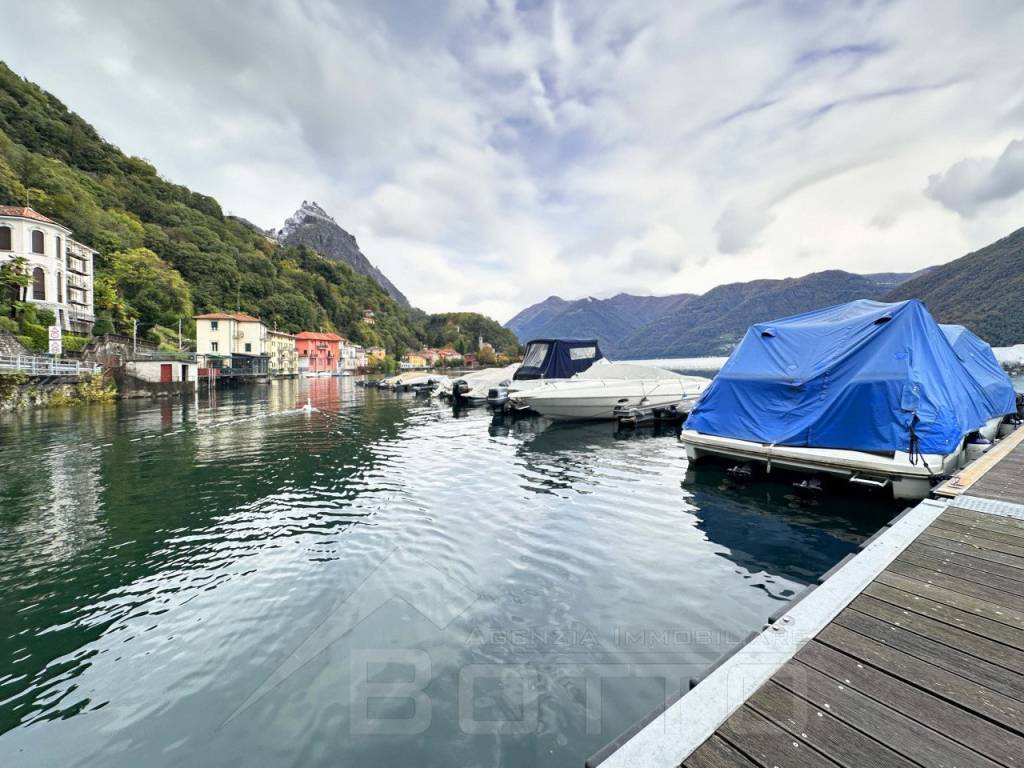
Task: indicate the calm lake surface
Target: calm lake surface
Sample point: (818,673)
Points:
(384,582)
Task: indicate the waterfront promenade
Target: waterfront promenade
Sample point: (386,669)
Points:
(910,653)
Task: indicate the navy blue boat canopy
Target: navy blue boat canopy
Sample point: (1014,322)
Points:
(557,358)
(864,376)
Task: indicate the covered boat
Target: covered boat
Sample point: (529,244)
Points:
(546,360)
(473,387)
(604,390)
(876,393)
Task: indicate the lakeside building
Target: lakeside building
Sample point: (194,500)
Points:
(319,353)
(234,341)
(368,317)
(360,357)
(441,356)
(414,360)
(375,355)
(60,269)
(353,356)
(284,357)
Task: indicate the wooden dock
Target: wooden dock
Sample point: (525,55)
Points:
(910,654)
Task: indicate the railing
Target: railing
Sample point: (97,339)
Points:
(37,365)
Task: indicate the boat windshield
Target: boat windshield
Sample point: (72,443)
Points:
(535,356)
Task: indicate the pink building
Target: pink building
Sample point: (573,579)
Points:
(318,352)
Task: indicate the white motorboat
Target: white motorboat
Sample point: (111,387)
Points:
(545,361)
(604,390)
(472,388)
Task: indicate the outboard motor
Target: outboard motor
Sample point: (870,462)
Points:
(459,390)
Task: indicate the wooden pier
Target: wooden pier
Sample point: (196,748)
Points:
(910,653)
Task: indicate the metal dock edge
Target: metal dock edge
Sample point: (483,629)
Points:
(671,737)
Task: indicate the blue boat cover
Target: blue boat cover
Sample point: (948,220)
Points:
(978,358)
(557,358)
(861,376)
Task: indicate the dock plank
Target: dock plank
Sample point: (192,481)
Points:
(715,753)
(984,592)
(768,744)
(959,725)
(970,622)
(983,520)
(954,599)
(1003,537)
(975,541)
(1004,710)
(976,645)
(979,565)
(945,657)
(819,727)
(967,572)
(962,548)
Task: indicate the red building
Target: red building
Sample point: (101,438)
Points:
(318,352)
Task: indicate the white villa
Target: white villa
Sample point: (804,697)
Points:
(60,268)
(232,340)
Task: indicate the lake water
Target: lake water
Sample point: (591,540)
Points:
(383,582)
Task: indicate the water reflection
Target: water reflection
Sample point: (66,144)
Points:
(161,562)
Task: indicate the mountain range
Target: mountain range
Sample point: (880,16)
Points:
(981,290)
(686,324)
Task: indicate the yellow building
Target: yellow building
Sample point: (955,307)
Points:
(232,340)
(284,359)
(375,355)
(414,360)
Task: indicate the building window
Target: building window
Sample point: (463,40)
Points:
(38,246)
(60,289)
(56,240)
(214,325)
(5,239)
(38,284)
(214,346)
(248,347)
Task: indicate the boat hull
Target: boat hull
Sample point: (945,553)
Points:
(907,481)
(577,399)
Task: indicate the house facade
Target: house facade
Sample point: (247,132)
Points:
(232,340)
(60,269)
(414,360)
(284,358)
(375,355)
(318,353)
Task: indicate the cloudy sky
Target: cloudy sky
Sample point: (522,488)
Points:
(488,153)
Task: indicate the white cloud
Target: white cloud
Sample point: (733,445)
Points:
(968,185)
(490,154)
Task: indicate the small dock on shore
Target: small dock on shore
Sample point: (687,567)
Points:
(908,653)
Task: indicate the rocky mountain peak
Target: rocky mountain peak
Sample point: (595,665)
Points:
(307,213)
(314,228)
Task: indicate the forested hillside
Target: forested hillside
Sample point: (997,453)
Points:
(685,324)
(144,225)
(983,290)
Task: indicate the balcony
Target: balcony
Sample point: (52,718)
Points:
(76,265)
(78,281)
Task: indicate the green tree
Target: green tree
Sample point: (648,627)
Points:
(13,279)
(152,290)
